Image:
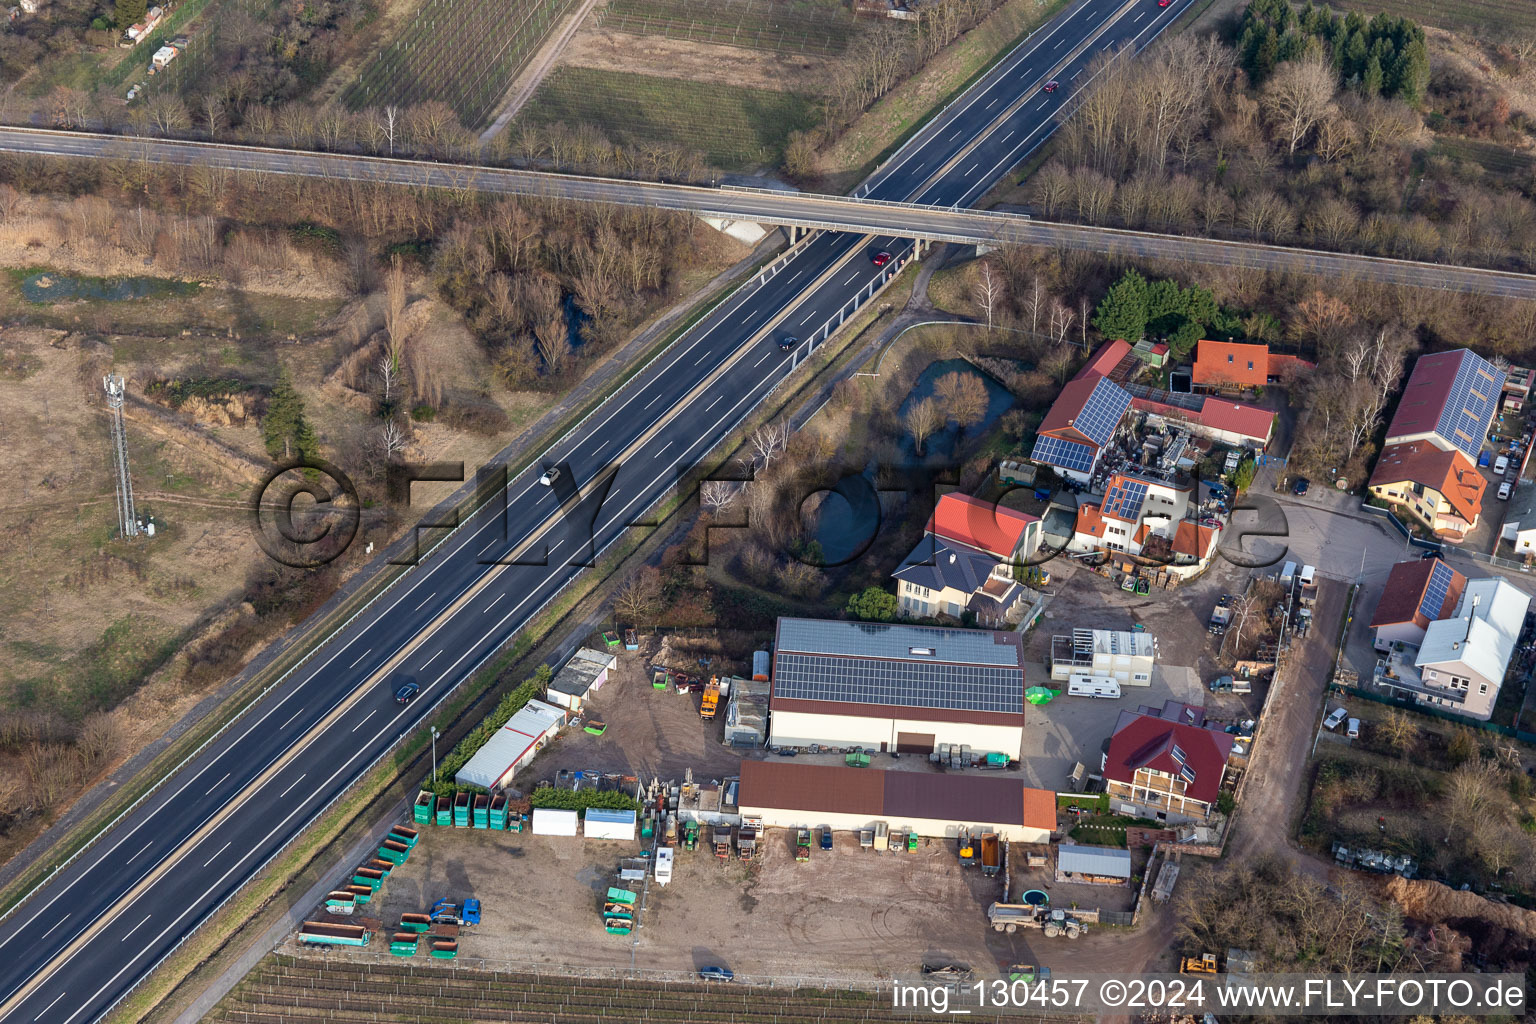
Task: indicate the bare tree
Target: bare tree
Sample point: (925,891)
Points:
(388,371)
(963,398)
(768,442)
(1297,96)
(718,495)
(1400,731)
(389,121)
(1062,319)
(394,308)
(921,420)
(391,439)
(988,292)
(638,597)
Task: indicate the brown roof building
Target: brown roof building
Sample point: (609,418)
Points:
(1418,592)
(792,795)
(1439,487)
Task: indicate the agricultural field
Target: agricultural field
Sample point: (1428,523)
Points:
(735,128)
(805,27)
(1500,162)
(1492,16)
(464,53)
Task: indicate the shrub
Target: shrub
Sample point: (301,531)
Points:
(582,799)
(510,705)
(423,413)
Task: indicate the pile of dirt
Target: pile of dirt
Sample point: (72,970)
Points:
(1499,932)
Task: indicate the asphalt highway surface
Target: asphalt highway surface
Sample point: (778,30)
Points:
(86,938)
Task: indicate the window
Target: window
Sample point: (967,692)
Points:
(1482,687)
(1229,357)
(1250,364)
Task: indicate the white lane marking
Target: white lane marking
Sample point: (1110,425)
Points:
(1061,42)
(992,104)
(61,920)
(135,857)
(430,661)
(291,717)
(661,449)
(760,361)
(653,401)
(1138,17)
(707,353)
(852,279)
(974,166)
(132,930)
(1042,106)
(434,593)
(482,551)
(493,603)
(807,318)
(215,857)
(295,782)
(711,405)
(51,1005)
(216,785)
(1008,136)
(792,280)
(360,657)
(957,134)
(369,715)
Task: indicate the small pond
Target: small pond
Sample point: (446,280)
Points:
(941,445)
(46,286)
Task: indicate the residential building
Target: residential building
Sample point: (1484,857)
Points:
(1165,764)
(1449,401)
(1229,365)
(964,563)
(1124,656)
(1135,508)
(1215,419)
(1418,592)
(1440,487)
(512,747)
(1520,521)
(1464,657)
(1518,381)
(896,687)
(787,794)
(1003,533)
(1079,424)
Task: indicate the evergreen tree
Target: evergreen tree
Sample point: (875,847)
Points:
(129,12)
(1411,73)
(1122,313)
(873,604)
(1371,81)
(284,429)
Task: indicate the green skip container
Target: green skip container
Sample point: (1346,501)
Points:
(403,944)
(461,810)
(444,811)
(421,812)
(482,811)
(499,811)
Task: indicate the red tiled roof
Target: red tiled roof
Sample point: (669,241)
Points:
(1104,359)
(1068,407)
(1147,741)
(1217,414)
(1193,540)
(1089,521)
(1228,362)
(1401,600)
(1449,472)
(979,524)
(1278,363)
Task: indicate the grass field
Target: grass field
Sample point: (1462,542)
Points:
(1499,161)
(735,128)
(783,26)
(462,52)
(1490,16)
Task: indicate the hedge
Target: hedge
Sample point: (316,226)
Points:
(583,799)
(510,705)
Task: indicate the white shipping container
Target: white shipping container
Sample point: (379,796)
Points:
(1093,686)
(551,821)
(604,824)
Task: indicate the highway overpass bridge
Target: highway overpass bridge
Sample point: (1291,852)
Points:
(918,221)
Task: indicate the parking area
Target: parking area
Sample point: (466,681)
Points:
(845,914)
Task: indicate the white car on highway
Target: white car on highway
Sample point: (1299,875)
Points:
(550,476)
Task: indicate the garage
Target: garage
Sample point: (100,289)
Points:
(916,742)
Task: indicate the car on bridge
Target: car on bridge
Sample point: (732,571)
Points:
(407,693)
(1052,86)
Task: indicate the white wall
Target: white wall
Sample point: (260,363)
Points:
(936,828)
(800,729)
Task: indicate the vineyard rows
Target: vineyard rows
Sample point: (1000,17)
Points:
(287,990)
(1495,16)
(781,26)
(733,126)
(462,52)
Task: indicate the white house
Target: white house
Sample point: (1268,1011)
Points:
(1134,509)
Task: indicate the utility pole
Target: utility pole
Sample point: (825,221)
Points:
(127,519)
(434,755)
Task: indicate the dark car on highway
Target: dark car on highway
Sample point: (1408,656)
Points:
(880,258)
(407,693)
(787,343)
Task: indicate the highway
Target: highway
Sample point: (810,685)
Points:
(102,924)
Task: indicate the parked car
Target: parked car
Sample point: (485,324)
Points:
(1302,483)
(1500,464)
(1336,716)
(1354,729)
(880,258)
(407,693)
(717,973)
(1505,490)
(550,476)
(826,837)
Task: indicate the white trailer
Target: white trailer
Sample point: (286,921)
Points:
(664,865)
(1093,686)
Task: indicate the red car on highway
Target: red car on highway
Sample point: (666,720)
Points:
(1052,85)
(880,258)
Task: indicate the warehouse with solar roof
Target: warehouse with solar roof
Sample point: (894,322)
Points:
(888,687)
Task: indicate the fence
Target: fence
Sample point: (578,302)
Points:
(1434,712)
(1402,528)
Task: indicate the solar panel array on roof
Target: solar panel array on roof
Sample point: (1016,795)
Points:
(1125,498)
(1053,451)
(895,641)
(855,680)
(1469,408)
(1102,412)
(1434,592)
